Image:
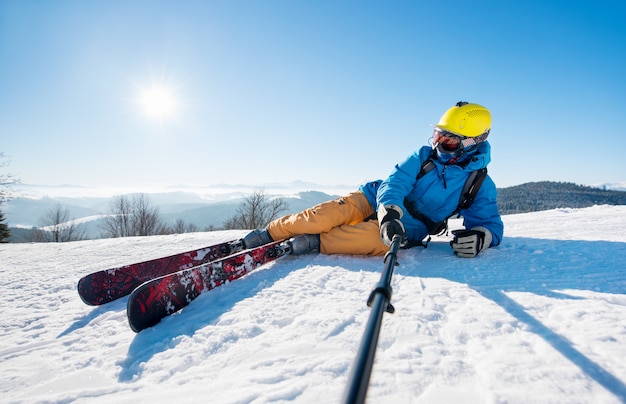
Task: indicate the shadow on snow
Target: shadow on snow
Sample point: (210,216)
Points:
(205,310)
(538,266)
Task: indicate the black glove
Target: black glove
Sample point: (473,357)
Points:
(468,243)
(389,220)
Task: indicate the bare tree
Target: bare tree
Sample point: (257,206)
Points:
(146,218)
(132,217)
(118,223)
(256,211)
(181,227)
(57,227)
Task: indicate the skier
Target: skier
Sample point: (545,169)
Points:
(414,202)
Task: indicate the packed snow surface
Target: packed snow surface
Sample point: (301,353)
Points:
(539,319)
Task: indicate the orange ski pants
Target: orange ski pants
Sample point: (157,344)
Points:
(340,223)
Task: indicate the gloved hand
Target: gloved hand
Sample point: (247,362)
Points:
(468,243)
(389,220)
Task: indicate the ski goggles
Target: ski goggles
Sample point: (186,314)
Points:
(452,142)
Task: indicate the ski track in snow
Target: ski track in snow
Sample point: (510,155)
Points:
(541,318)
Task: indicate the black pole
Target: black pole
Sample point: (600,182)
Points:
(379,301)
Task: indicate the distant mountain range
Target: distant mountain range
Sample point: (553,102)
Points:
(208,208)
(24,213)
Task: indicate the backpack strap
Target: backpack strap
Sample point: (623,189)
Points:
(471,188)
(426,167)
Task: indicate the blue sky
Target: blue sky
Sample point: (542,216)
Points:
(332,92)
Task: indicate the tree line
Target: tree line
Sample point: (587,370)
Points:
(135,215)
(546,195)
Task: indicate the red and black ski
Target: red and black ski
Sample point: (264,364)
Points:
(110,284)
(160,297)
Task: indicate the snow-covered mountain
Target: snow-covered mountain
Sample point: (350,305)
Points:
(541,318)
(614,186)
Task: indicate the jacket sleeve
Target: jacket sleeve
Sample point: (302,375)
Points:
(400,182)
(484,212)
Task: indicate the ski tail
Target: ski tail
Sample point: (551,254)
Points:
(156,299)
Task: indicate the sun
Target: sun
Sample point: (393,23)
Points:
(158,102)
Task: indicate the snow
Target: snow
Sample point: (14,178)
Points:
(74,222)
(541,318)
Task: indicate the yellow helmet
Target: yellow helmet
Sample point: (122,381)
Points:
(465,119)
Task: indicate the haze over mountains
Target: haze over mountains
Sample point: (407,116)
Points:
(205,207)
(208,207)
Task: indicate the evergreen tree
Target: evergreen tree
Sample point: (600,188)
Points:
(545,195)
(4,230)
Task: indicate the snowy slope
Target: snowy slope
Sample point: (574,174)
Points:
(541,318)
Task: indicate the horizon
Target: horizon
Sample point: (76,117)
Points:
(288,188)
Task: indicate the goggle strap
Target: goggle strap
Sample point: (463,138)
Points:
(467,142)
(471,141)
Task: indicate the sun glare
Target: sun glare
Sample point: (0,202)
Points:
(158,102)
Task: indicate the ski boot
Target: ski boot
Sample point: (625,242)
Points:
(256,238)
(304,243)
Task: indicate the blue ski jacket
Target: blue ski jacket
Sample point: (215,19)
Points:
(436,195)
